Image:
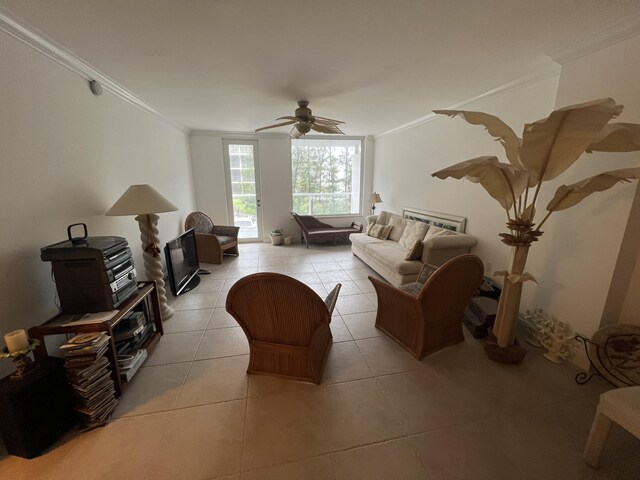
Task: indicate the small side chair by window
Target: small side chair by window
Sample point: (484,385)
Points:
(212,241)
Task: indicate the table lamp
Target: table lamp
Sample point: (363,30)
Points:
(145,202)
(375,198)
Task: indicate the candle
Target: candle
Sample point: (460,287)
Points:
(16,340)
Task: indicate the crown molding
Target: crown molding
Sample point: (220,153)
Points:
(599,40)
(550,70)
(56,52)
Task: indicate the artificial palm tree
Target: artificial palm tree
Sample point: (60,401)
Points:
(547,148)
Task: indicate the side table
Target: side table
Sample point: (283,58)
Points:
(36,410)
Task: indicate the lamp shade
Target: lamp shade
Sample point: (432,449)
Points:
(140,200)
(375,198)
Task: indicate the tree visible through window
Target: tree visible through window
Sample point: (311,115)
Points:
(326,176)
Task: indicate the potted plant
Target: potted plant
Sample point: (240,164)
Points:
(276,237)
(547,149)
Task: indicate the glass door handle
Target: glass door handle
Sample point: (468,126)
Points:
(257,202)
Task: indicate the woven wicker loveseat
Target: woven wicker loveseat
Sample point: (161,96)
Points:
(314,231)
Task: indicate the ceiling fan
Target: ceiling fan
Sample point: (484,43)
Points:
(303,122)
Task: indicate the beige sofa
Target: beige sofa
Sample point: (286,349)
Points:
(387,257)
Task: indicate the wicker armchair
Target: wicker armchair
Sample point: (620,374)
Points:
(286,323)
(212,241)
(426,316)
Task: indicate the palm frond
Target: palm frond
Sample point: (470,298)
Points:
(496,128)
(569,195)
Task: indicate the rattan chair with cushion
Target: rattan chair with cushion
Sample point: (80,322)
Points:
(212,241)
(425,317)
(286,323)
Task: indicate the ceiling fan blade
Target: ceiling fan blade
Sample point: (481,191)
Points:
(328,121)
(277,125)
(294,119)
(327,129)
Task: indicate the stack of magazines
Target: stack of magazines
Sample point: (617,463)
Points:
(89,374)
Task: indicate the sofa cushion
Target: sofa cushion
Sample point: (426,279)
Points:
(412,232)
(415,252)
(398,223)
(392,255)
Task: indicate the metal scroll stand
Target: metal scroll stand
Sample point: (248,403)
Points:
(600,364)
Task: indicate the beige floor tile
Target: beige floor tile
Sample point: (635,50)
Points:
(222,300)
(423,402)
(273,269)
(384,356)
(354,414)
(152,389)
(125,448)
(347,287)
(333,276)
(465,452)
(262,385)
(348,304)
(222,342)
(319,288)
(362,273)
(213,381)
(196,301)
(281,428)
(305,267)
(235,273)
(220,318)
(394,459)
(208,284)
(317,468)
(175,347)
(345,362)
(187,320)
(296,260)
(339,330)
(329,266)
(306,278)
(364,284)
(321,258)
(210,447)
(362,325)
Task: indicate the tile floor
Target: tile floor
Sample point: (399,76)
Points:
(192,412)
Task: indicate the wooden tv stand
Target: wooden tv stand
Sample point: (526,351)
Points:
(145,299)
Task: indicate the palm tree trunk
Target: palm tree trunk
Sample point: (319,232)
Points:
(509,306)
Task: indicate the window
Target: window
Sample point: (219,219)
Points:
(326,176)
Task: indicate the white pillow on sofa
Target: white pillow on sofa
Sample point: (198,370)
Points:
(412,232)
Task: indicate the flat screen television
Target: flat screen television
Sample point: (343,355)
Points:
(182,263)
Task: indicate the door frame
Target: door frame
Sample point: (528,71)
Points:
(227,174)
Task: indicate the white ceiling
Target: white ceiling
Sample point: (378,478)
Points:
(236,65)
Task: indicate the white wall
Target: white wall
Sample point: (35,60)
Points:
(274,156)
(613,217)
(575,259)
(66,157)
(404,162)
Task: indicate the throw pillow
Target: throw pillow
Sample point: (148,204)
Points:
(379,231)
(436,232)
(415,252)
(383,218)
(398,224)
(412,232)
(426,272)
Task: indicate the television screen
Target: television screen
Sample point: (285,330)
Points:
(182,263)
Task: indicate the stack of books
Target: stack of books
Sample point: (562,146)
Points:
(89,374)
